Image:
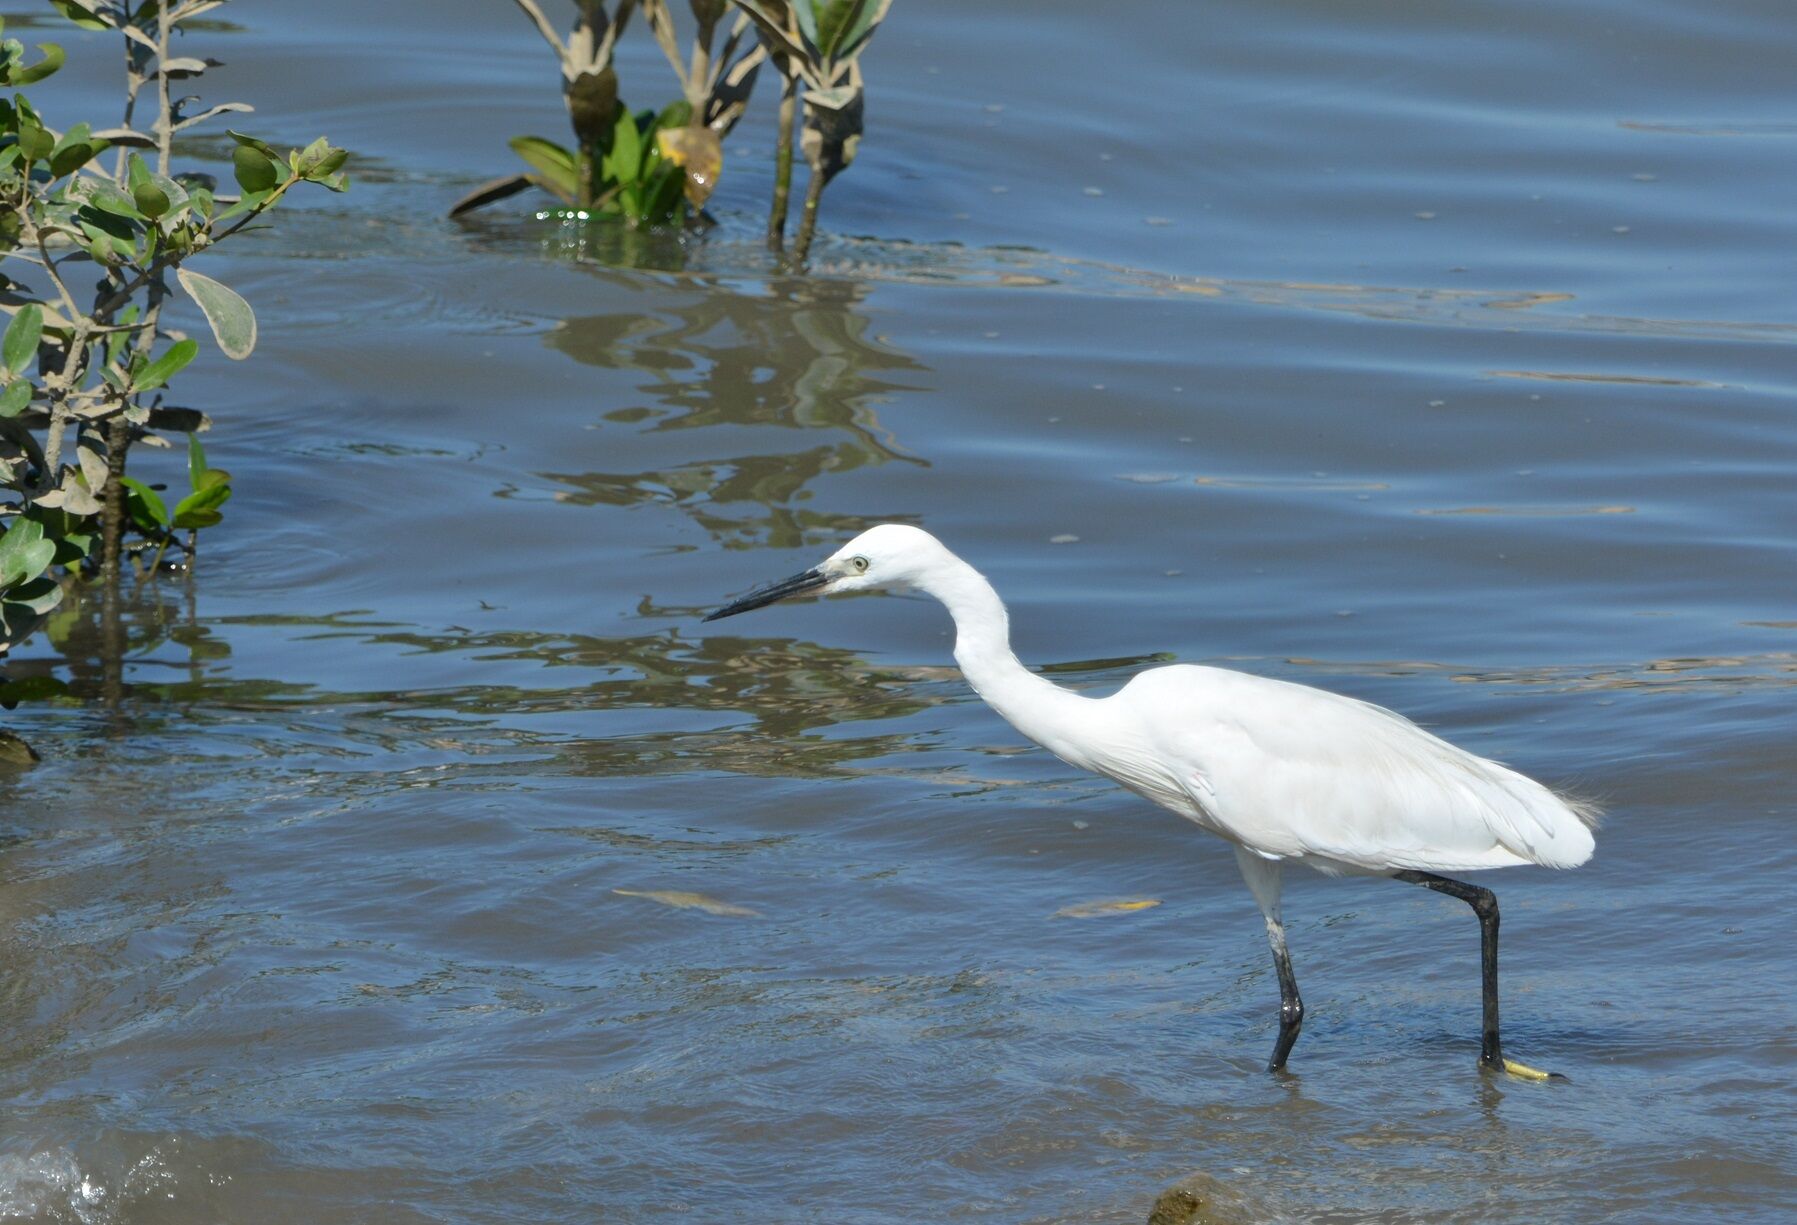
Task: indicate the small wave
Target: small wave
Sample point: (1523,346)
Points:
(50,1185)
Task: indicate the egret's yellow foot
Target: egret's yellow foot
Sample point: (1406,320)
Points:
(1523,1071)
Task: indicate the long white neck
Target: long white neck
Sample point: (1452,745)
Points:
(1035,706)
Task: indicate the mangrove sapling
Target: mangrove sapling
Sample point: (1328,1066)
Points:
(84,369)
(715,89)
(645,167)
(776,14)
(776,214)
(605,171)
(209,489)
(818,45)
(590,90)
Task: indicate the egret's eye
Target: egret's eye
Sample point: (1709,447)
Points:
(860,564)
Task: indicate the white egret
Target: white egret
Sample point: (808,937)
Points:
(1284,772)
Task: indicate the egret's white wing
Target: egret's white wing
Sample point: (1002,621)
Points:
(1289,770)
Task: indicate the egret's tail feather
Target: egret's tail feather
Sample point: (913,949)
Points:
(1586,809)
(1538,824)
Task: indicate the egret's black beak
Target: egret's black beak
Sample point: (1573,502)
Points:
(798,584)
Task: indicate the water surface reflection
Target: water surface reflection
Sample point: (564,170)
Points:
(799,356)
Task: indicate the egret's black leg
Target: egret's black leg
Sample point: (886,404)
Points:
(1484,904)
(1263,879)
(1291,1008)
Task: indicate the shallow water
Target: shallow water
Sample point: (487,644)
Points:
(1437,353)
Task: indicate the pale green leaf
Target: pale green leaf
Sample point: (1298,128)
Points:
(19,348)
(233,322)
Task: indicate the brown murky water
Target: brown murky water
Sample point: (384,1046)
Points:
(436,865)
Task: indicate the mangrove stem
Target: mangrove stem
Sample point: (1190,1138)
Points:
(814,191)
(776,217)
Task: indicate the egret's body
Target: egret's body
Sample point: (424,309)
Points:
(1285,772)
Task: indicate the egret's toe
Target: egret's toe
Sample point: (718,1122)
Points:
(1523,1071)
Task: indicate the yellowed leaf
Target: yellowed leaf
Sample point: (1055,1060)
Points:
(1098,910)
(681,899)
(1523,302)
(698,151)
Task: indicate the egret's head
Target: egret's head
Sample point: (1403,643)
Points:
(890,557)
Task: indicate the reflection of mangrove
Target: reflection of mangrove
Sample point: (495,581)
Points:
(99,636)
(797,358)
(769,706)
(601,242)
(793,694)
(704,490)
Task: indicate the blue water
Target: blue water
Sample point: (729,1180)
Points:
(1440,354)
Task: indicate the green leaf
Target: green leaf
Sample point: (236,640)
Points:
(197,519)
(196,460)
(19,348)
(317,160)
(661,202)
(24,553)
(624,164)
(233,322)
(806,13)
(14,399)
(304,161)
(53,57)
(96,221)
(80,14)
(146,193)
(150,199)
(34,141)
(255,172)
(832,23)
(200,508)
(250,142)
(104,194)
(101,246)
(328,165)
(177,194)
(75,150)
(146,509)
(248,202)
(860,28)
(19,533)
(545,155)
(550,160)
(165,367)
(72,547)
(40,594)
